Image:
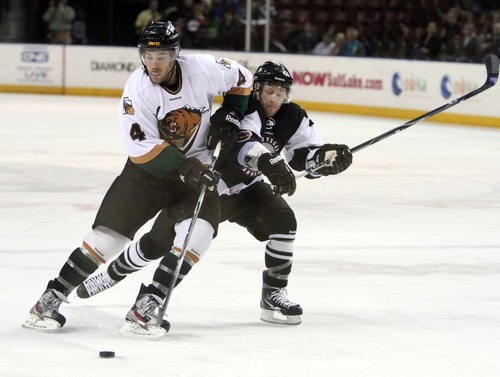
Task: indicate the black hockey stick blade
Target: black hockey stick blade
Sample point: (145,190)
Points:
(491,62)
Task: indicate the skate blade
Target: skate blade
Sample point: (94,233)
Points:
(134,329)
(273,316)
(41,324)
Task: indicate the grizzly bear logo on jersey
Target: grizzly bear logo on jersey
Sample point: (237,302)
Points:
(178,126)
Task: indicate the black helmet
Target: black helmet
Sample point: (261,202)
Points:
(274,74)
(160,35)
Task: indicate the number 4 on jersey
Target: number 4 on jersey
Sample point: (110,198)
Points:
(136,133)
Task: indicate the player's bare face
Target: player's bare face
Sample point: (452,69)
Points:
(271,98)
(159,64)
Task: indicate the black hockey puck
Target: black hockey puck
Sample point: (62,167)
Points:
(106,354)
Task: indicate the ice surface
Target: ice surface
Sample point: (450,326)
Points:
(397,261)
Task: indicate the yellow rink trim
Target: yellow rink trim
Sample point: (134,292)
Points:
(97,92)
(386,112)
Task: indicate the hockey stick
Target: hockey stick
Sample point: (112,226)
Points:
(492,64)
(186,240)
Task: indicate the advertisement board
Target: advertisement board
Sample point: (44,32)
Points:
(102,70)
(37,68)
(382,87)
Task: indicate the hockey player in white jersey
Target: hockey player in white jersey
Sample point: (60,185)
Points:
(272,125)
(165,114)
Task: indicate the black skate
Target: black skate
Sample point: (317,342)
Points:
(277,308)
(44,315)
(95,284)
(141,319)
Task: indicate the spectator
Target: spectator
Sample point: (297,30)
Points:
(79,30)
(339,43)
(145,16)
(494,46)
(225,5)
(451,28)
(59,18)
(259,11)
(486,24)
(352,46)
(484,6)
(258,22)
(470,48)
(182,12)
(326,46)
(429,43)
(303,40)
(195,24)
(181,15)
(230,32)
(170,11)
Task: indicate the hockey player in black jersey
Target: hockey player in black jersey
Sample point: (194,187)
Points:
(284,128)
(272,126)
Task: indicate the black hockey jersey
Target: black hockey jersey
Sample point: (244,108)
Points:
(290,132)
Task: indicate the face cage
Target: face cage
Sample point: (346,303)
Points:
(174,52)
(257,86)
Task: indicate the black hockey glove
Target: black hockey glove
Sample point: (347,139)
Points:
(337,156)
(224,126)
(279,174)
(196,175)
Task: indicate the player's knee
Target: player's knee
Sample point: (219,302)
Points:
(287,223)
(200,241)
(103,243)
(150,249)
(210,211)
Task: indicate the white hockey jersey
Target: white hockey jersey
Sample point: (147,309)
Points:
(153,117)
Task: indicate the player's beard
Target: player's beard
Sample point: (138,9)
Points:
(157,76)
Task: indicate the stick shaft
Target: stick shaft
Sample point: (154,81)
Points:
(420,118)
(492,66)
(185,245)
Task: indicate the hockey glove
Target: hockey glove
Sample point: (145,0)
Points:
(224,126)
(279,174)
(338,158)
(196,175)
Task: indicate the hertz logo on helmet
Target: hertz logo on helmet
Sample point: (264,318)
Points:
(151,43)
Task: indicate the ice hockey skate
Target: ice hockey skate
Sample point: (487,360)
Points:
(95,284)
(44,315)
(277,308)
(141,320)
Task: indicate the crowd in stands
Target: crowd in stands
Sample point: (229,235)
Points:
(446,30)
(464,31)
(442,30)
